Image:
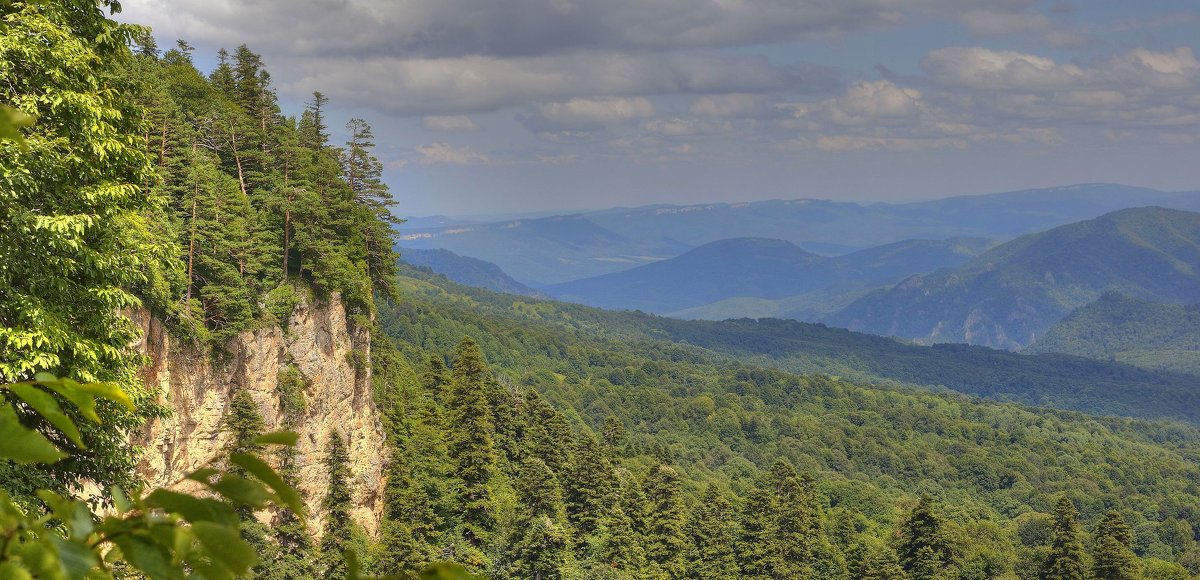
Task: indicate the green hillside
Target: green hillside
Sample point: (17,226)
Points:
(1137,332)
(1012,294)
(1066,382)
(993,468)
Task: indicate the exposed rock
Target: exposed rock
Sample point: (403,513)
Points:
(196,385)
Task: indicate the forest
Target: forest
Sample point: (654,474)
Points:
(518,446)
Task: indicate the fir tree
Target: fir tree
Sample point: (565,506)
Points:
(797,521)
(1112,553)
(617,546)
(590,485)
(711,527)
(244,424)
(1066,551)
(541,540)
(879,563)
(924,548)
(757,539)
(294,554)
(614,434)
(471,446)
(666,537)
(408,522)
(338,527)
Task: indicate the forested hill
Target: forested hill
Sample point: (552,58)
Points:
(1137,332)
(1061,381)
(467,271)
(1010,295)
(992,470)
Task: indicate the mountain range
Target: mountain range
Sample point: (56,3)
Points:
(763,277)
(1011,295)
(553,250)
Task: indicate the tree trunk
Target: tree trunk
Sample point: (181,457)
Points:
(237,159)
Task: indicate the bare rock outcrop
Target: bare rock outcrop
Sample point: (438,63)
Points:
(330,354)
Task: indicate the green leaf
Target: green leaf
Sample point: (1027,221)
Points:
(48,408)
(24,445)
(259,468)
(108,391)
(226,546)
(77,559)
(11,122)
(192,509)
(120,500)
(148,557)
(241,490)
(446,571)
(13,571)
(82,400)
(278,438)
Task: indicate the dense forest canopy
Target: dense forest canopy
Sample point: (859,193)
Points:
(520,443)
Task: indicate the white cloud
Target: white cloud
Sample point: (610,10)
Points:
(448,123)
(442,153)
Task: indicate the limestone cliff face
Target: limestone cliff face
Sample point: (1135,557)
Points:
(197,385)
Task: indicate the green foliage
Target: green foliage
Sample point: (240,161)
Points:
(71,201)
(924,548)
(666,519)
(163,534)
(338,528)
(713,530)
(1066,558)
(1130,330)
(471,445)
(1112,549)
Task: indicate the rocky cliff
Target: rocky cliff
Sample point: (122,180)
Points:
(332,358)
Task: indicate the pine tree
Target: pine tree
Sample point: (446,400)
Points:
(711,527)
(614,434)
(1066,551)
(408,521)
(1112,553)
(338,526)
(471,446)
(666,536)
(924,548)
(879,563)
(541,540)
(757,557)
(294,556)
(436,378)
(244,424)
(590,485)
(617,546)
(797,527)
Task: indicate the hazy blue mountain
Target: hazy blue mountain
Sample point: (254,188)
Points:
(757,277)
(466,271)
(561,249)
(1130,330)
(1012,294)
(545,250)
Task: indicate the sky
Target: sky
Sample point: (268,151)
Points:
(512,106)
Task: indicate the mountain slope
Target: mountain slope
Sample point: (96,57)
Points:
(467,271)
(720,422)
(545,250)
(1010,295)
(551,251)
(1137,332)
(737,267)
(759,277)
(1061,381)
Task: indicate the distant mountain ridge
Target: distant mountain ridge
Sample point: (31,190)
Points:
(467,271)
(560,249)
(1012,294)
(743,276)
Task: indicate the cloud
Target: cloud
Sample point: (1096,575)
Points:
(986,69)
(442,153)
(448,123)
(477,83)
(741,105)
(582,114)
(1001,23)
